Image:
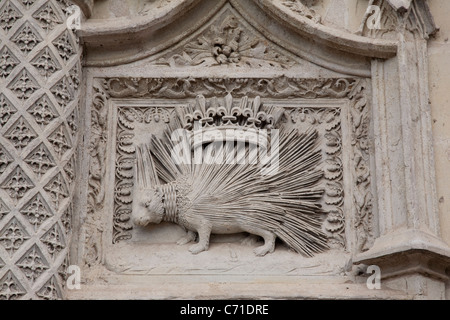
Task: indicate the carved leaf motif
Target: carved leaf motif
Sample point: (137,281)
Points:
(58,190)
(54,240)
(333,143)
(69,169)
(28,3)
(7,62)
(24,85)
(37,211)
(6,110)
(334,194)
(9,14)
(66,219)
(64,46)
(60,141)
(43,111)
(13,236)
(125,120)
(50,290)
(74,75)
(10,287)
(46,63)
(33,264)
(20,134)
(125,169)
(298,7)
(228,41)
(333,169)
(26,38)
(17,184)
(40,160)
(63,92)
(72,121)
(123,192)
(47,16)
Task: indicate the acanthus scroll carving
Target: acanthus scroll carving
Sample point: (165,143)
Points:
(362,193)
(227,41)
(96,184)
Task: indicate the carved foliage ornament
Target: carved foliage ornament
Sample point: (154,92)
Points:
(227,42)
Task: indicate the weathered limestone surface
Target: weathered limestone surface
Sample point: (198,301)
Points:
(368,183)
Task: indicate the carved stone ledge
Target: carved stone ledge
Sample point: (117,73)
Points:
(406,254)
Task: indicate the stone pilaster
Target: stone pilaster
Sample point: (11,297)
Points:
(409,250)
(40,85)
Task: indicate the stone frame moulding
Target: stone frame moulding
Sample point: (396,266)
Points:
(391,217)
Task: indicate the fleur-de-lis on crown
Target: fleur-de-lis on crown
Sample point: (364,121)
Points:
(246,113)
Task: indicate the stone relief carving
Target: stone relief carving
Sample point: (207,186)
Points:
(7,62)
(96,191)
(10,288)
(9,14)
(281,87)
(278,87)
(222,198)
(333,170)
(26,38)
(46,63)
(227,41)
(47,16)
(363,198)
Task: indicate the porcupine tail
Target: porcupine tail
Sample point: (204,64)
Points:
(297,192)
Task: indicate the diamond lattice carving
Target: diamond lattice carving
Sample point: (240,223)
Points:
(58,190)
(33,263)
(10,287)
(46,63)
(26,38)
(9,14)
(54,240)
(36,211)
(24,85)
(13,236)
(20,134)
(40,160)
(47,16)
(60,140)
(7,62)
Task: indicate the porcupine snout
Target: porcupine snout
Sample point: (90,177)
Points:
(140,216)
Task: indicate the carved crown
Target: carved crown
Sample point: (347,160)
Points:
(243,114)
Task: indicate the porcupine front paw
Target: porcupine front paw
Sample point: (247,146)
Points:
(189,237)
(197,248)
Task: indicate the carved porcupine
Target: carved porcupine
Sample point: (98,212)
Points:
(231,198)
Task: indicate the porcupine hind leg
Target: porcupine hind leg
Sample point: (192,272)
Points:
(269,241)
